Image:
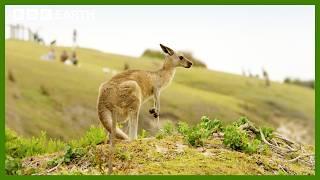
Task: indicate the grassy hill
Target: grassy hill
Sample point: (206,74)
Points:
(61,100)
(209,148)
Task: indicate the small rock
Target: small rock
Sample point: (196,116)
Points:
(201,149)
(208,154)
(218,135)
(180,148)
(160,149)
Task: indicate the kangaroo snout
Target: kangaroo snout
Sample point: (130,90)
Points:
(189,64)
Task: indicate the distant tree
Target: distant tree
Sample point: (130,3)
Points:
(243,73)
(266,77)
(249,73)
(287,80)
(196,62)
(152,54)
(298,82)
(11,76)
(126,66)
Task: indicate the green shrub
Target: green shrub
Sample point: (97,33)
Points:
(143,134)
(94,136)
(123,155)
(267,132)
(183,128)
(210,125)
(12,165)
(168,129)
(18,147)
(72,153)
(160,135)
(241,121)
(238,139)
(197,135)
(253,146)
(235,138)
(54,162)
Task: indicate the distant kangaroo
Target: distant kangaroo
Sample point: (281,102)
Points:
(120,98)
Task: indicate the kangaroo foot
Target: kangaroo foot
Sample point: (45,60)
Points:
(155,115)
(152,111)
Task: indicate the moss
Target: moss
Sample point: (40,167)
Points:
(171,154)
(141,157)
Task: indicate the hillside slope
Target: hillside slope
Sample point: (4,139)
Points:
(61,100)
(235,149)
(167,156)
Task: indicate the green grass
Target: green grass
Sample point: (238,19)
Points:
(69,109)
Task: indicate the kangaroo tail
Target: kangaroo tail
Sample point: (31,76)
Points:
(112,141)
(106,119)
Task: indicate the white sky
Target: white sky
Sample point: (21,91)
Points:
(227,38)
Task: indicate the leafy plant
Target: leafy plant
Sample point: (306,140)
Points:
(69,155)
(143,134)
(94,136)
(54,162)
(241,121)
(168,129)
(123,155)
(267,132)
(183,128)
(160,135)
(238,139)
(18,147)
(253,146)
(235,138)
(72,153)
(210,125)
(196,135)
(12,165)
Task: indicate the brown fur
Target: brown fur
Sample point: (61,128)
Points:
(120,98)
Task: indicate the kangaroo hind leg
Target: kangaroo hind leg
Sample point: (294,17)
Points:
(131,94)
(115,119)
(133,124)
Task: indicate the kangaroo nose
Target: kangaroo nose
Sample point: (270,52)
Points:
(189,65)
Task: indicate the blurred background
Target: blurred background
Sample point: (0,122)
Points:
(254,61)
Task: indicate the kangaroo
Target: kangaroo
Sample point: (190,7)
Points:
(121,97)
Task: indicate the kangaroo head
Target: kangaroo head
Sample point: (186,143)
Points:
(174,59)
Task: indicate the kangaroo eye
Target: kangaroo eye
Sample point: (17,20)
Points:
(180,57)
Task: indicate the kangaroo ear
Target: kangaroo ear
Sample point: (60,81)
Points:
(167,50)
